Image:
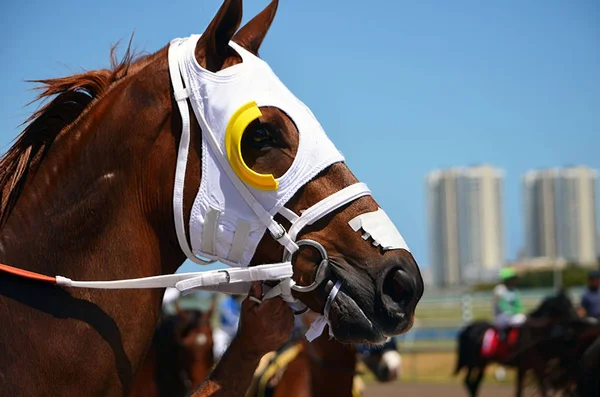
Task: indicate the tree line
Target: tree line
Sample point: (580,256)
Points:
(572,276)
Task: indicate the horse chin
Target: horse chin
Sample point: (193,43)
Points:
(358,314)
(349,324)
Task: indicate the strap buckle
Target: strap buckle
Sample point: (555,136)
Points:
(181,94)
(228,276)
(280,234)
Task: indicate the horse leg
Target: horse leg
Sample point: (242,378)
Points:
(473,379)
(588,383)
(520,378)
(478,379)
(539,374)
(467,380)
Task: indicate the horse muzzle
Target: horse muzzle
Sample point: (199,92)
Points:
(370,309)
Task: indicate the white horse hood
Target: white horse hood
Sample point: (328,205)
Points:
(225,100)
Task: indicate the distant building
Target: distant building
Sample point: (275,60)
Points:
(465,224)
(426,274)
(560,214)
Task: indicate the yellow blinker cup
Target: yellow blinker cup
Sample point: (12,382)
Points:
(233,146)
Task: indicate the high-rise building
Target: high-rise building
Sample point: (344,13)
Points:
(465,224)
(442,187)
(560,214)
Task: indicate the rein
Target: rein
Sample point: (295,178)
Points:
(225,280)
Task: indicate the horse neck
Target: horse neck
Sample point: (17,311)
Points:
(85,211)
(201,358)
(97,207)
(332,370)
(201,366)
(553,310)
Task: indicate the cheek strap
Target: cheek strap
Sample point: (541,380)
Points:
(317,327)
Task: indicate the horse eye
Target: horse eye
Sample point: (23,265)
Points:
(261,135)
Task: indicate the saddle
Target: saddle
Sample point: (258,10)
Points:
(271,368)
(273,365)
(498,347)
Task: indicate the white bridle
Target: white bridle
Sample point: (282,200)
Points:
(287,239)
(237,280)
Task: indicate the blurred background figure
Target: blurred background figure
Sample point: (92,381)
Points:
(508,306)
(229,316)
(508,309)
(590,301)
(384,361)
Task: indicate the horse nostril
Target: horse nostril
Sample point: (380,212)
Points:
(397,289)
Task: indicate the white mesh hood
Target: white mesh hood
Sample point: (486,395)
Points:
(215,97)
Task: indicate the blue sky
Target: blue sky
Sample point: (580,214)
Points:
(402,87)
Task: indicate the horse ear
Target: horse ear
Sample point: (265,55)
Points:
(213,47)
(253,33)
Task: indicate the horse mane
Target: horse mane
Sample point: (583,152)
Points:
(71,97)
(556,306)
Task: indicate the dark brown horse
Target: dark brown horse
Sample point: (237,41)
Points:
(180,357)
(588,382)
(537,344)
(87,192)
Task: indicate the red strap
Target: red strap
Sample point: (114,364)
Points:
(513,336)
(489,346)
(27,274)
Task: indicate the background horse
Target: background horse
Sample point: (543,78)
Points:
(86,191)
(180,356)
(588,382)
(323,367)
(543,323)
(383,361)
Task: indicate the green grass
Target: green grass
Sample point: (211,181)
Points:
(451,314)
(428,345)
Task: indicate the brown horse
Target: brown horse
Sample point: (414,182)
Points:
(87,192)
(323,367)
(180,357)
(331,367)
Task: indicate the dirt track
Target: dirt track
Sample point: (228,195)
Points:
(429,390)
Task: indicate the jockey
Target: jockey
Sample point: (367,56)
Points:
(590,301)
(508,307)
(229,315)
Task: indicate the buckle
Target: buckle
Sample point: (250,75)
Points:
(228,276)
(279,235)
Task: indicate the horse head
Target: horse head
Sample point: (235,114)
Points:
(379,283)
(557,306)
(384,361)
(96,187)
(195,337)
(258,180)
